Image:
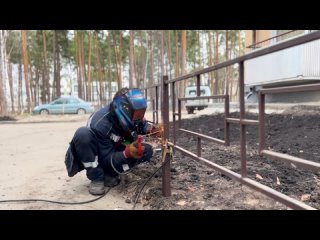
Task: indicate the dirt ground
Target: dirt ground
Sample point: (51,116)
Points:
(32,153)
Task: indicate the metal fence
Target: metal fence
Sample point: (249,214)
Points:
(242,121)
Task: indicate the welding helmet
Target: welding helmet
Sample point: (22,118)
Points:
(129,106)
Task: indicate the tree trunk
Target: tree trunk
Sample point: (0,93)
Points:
(58,82)
(151,77)
(169,54)
(99,69)
(199,50)
(239,54)
(216,61)
(159,72)
(132,77)
(120,58)
(162,54)
(11,84)
(78,60)
(231,68)
(143,66)
(45,78)
(20,97)
(109,68)
(118,61)
(227,68)
(177,74)
(89,90)
(54,65)
(165,53)
(37,87)
(103,81)
(3,73)
(25,67)
(183,60)
(210,75)
(83,66)
(32,90)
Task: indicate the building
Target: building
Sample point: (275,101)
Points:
(292,66)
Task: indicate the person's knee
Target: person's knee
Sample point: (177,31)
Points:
(82,136)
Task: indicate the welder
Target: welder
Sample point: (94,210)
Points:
(109,144)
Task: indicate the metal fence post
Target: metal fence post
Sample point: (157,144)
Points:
(243,152)
(262,138)
(166,177)
(157,105)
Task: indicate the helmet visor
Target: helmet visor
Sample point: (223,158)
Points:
(138,114)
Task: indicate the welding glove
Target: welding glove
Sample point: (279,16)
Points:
(131,150)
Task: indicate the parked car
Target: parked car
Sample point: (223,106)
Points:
(191,105)
(65,105)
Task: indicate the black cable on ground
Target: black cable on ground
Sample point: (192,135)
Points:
(57,202)
(145,183)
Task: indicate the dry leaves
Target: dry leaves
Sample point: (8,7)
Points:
(292,165)
(305,197)
(259,177)
(278,181)
(191,189)
(181,202)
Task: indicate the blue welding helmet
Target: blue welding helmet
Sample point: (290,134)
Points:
(129,106)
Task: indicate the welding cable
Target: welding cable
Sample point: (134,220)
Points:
(148,179)
(128,171)
(124,172)
(57,202)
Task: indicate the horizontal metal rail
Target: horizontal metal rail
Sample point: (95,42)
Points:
(203,97)
(300,88)
(243,121)
(291,159)
(290,202)
(216,140)
(268,39)
(274,48)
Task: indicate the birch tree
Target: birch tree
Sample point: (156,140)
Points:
(3,72)
(25,67)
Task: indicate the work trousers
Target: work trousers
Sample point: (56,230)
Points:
(98,160)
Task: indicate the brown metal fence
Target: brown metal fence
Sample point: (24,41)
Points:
(242,121)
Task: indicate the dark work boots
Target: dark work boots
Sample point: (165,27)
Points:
(96,188)
(111,181)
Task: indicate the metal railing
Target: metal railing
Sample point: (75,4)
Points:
(268,41)
(242,121)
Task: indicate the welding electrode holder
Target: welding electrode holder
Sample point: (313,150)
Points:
(166,149)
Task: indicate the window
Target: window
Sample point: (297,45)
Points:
(194,92)
(58,102)
(72,101)
(288,34)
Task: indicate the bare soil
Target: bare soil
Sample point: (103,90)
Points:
(195,186)
(32,153)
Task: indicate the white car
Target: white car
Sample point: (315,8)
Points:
(200,104)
